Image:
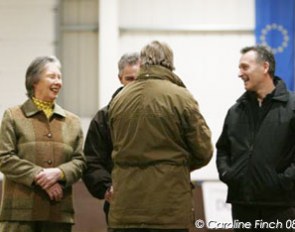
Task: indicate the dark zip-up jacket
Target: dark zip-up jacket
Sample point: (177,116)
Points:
(98,148)
(258,165)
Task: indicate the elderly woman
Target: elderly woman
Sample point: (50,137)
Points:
(40,155)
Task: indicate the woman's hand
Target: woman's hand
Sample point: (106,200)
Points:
(55,192)
(47,177)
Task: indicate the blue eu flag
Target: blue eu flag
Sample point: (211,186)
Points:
(275,28)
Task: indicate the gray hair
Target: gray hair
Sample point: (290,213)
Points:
(35,69)
(157,53)
(127,59)
(264,54)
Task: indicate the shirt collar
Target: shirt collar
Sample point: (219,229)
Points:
(30,109)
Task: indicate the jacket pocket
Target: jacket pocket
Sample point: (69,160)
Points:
(236,171)
(266,183)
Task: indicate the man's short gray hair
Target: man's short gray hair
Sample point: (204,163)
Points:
(127,59)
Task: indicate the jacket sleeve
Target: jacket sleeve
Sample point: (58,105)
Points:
(223,153)
(198,137)
(73,169)
(11,165)
(287,177)
(98,148)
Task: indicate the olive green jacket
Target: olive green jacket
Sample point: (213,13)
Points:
(159,136)
(28,143)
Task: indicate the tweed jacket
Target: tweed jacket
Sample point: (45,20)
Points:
(159,136)
(30,142)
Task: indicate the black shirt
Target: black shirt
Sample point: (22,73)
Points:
(259,111)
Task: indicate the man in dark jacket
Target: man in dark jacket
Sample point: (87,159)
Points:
(256,150)
(98,144)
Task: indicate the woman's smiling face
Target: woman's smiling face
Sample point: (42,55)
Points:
(49,84)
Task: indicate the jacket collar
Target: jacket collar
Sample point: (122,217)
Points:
(30,109)
(159,72)
(281,93)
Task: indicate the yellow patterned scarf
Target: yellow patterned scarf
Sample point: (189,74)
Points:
(47,107)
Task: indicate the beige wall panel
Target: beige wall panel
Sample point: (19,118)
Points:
(80,73)
(142,13)
(79,11)
(79,54)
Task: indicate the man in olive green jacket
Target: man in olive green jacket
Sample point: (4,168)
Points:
(159,136)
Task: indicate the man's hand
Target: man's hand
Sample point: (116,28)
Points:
(108,194)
